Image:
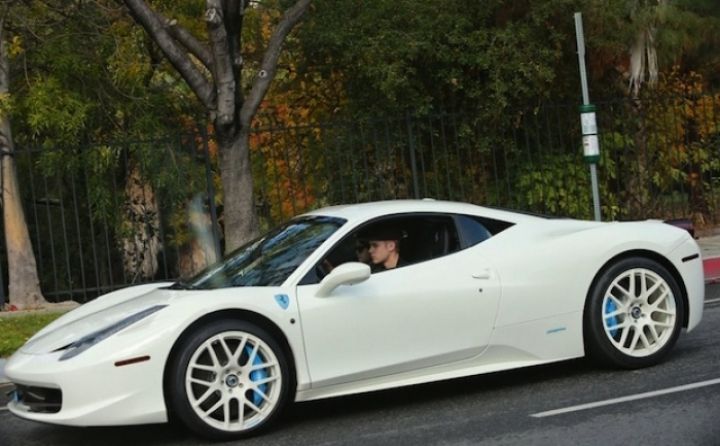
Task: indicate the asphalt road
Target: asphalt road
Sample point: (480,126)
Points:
(493,409)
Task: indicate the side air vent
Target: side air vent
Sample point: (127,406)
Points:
(38,399)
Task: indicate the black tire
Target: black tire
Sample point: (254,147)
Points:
(194,346)
(609,338)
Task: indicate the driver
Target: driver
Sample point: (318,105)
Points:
(384,250)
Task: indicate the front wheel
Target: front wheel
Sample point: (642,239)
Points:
(634,314)
(230,379)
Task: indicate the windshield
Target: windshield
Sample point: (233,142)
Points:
(270,259)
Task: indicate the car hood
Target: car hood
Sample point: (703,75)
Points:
(72,327)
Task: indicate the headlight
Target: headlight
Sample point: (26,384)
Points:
(91,339)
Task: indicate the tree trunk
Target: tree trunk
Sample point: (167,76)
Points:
(194,256)
(238,198)
(23,282)
(217,85)
(141,242)
(199,252)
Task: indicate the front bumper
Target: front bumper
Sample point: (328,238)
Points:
(94,391)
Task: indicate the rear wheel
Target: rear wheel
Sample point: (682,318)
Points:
(229,380)
(634,314)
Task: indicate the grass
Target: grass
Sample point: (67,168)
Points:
(15,330)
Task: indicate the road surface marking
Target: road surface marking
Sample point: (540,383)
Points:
(712,301)
(638,396)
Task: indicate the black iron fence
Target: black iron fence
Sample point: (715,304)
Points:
(660,159)
(109,215)
(106,216)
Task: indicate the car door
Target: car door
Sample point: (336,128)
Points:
(426,314)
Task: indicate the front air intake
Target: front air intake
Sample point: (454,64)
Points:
(38,399)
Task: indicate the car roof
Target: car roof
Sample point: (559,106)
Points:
(367,211)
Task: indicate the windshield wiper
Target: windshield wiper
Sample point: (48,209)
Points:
(180,285)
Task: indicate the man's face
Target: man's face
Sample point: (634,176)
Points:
(380,250)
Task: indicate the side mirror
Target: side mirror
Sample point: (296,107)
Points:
(346,274)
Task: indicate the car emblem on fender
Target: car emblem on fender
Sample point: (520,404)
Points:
(283,300)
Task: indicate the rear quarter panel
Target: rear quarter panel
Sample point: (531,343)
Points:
(546,269)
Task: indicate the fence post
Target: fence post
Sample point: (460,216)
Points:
(211,194)
(2,280)
(413,163)
(2,288)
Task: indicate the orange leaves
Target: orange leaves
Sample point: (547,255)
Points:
(281,171)
(682,126)
(287,128)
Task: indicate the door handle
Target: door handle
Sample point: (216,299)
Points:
(484,274)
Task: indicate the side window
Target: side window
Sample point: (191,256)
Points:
(474,230)
(391,243)
(428,237)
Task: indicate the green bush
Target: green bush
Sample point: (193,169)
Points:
(559,184)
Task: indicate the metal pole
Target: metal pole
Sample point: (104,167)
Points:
(586,102)
(580,35)
(596,194)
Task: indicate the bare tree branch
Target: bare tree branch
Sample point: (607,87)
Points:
(268,66)
(234,16)
(186,39)
(234,13)
(224,77)
(177,57)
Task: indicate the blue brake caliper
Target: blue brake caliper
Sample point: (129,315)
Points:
(612,321)
(257,375)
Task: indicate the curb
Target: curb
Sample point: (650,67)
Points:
(711,269)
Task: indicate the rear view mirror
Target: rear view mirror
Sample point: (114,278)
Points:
(346,274)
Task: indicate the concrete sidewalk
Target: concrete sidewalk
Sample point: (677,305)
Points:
(710,251)
(709,245)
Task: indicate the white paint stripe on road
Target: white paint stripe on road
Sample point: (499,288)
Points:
(624,399)
(712,301)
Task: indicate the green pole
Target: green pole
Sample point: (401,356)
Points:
(591,146)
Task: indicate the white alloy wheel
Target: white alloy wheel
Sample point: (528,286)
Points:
(233,381)
(634,313)
(639,312)
(228,379)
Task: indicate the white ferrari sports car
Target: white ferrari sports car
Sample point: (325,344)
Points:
(358,298)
